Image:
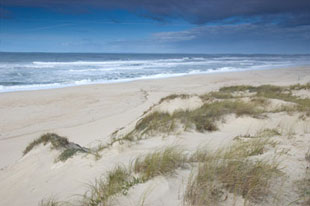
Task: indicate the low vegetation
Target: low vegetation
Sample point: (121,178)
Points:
(239,100)
(201,119)
(307,156)
(68,149)
(55,140)
(304,184)
(238,170)
(174,96)
(103,189)
(121,179)
(304,190)
(275,92)
(226,170)
(162,162)
(231,171)
(300,86)
(50,202)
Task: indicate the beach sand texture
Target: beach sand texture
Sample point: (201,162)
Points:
(90,115)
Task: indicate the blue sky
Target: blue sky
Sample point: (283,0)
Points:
(158,26)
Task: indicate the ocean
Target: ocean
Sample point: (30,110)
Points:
(35,71)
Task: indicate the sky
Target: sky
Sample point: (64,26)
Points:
(156,26)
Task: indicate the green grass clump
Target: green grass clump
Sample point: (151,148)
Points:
(202,119)
(174,96)
(250,147)
(276,92)
(156,121)
(66,154)
(102,190)
(118,181)
(121,179)
(224,102)
(231,170)
(238,88)
(217,95)
(50,202)
(300,86)
(249,179)
(304,191)
(307,156)
(268,133)
(304,184)
(56,141)
(162,162)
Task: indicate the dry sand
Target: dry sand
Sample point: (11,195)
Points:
(89,114)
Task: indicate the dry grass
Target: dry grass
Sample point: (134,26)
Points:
(307,156)
(304,184)
(217,95)
(50,202)
(121,179)
(268,132)
(249,147)
(231,170)
(201,119)
(56,141)
(275,92)
(66,154)
(174,96)
(162,162)
(103,190)
(228,100)
(59,143)
(300,86)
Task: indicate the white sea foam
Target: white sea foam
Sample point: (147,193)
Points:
(62,71)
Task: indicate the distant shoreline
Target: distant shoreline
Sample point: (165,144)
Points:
(41,71)
(22,88)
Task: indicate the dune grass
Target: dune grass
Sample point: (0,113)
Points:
(275,92)
(217,95)
(300,86)
(268,132)
(50,202)
(307,156)
(57,142)
(228,100)
(251,147)
(304,184)
(103,190)
(174,96)
(231,170)
(246,178)
(304,190)
(161,162)
(67,153)
(121,179)
(201,119)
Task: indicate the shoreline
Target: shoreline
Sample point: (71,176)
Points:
(28,114)
(72,110)
(108,82)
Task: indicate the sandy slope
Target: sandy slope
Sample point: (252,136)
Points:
(89,114)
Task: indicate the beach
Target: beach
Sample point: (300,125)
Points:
(89,114)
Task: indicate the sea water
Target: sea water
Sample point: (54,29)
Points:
(34,71)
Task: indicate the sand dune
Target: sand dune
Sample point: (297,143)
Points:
(103,114)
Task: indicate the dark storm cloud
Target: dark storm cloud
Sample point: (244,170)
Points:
(291,12)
